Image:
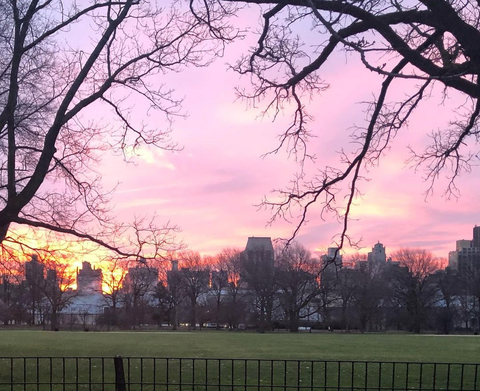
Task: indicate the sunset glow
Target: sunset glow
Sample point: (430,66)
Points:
(212,185)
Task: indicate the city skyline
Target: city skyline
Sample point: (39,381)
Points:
(80,268)
(194,292)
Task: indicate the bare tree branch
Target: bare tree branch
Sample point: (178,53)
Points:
(431,41)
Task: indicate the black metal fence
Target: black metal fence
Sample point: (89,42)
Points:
(202,374)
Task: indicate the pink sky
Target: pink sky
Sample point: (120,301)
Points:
(209,189)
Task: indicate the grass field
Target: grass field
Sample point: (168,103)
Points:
(210,344)
(273,374)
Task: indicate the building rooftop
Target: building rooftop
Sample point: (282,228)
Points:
(259,244)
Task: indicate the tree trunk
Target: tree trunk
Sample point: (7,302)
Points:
(54,320)
(269,311)
(218,314)
(174,318)
(32,320)
(193,322)
(4,230)
(262,319)
(294,321)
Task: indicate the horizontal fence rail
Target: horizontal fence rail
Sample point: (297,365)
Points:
(205,374)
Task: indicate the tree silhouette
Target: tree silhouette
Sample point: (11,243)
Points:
(413,285)
(59,60)
(195,281)
(298,282)
(56,289)
(230,260)
(421,47)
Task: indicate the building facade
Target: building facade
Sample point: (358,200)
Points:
(259,249)
(466,254)
(378,254)
(89,279)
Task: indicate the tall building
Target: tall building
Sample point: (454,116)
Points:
(467,253)
(460,244)
(89,279)
(144,276)
(476,237)
(378,254)
(259,249)
(332,259)
(34,271)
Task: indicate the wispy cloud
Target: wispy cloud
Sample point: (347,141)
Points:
(210,188)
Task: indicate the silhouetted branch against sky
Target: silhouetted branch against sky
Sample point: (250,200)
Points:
(414,46)
(59,59)
(80,80)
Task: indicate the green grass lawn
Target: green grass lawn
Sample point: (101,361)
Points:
(146,374)
(211,344)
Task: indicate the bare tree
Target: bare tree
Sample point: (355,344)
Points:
(13,303)
(34,281)
(298,282)
(413,285)
(370,292)
(59,60)
(447,282)
(328,292)
(230,260)
(113,279)
(346,293)
(422,46)
(470,292)
(258,272)
(170,295)
(56,289)
(196,278)
(138,291)
(13,298)
(419,263)
(218,285)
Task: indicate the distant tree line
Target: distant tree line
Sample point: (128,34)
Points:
(296,290)
(35,293)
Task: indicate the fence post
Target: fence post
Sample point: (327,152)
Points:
(119,374)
